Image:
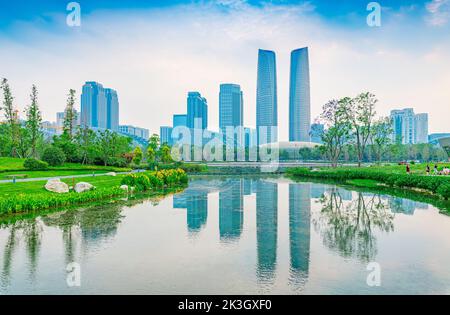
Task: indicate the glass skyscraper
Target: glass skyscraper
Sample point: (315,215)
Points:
(231,106)
(409,128)
(99,107)
(197,111)
(165,135)
(266,98)
(112,109)
(179,120)
(299,97)
(93,106)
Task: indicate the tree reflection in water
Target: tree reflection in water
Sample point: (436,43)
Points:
(348,228)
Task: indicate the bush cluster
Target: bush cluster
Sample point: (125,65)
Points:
(54,156)
(155,180)
(35,164)
(22,203)
(436,184)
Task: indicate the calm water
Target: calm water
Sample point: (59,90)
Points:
(233,236)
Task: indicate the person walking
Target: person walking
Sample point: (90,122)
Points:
(436,172)
(408,169)
(428,169)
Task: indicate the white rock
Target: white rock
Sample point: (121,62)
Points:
(57,186)
(124,187)
(111,174)
(82,187)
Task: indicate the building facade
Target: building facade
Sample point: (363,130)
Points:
(112,110)
(134,131)
(266,98)
(93,106)
(179,120)
(409,128)
(231,112)
(165,135)
(299,96)
(316,132)
(197,111)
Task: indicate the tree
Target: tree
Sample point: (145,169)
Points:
(381,136)
(111,146)
(86,139)
(151,155)
(34,121)
(165,154)
(360,112)
(334,138)
(11,116)
(154,142)
(70,116)
(137,155)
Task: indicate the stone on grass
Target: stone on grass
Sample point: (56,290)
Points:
(57,186)
(124,187)
(111,174)
(82,187)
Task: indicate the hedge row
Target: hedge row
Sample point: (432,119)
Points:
(439,185)
(155,180)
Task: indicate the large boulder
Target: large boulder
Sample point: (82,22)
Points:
(124,188)
(82,187)
(111,174)
(57,186)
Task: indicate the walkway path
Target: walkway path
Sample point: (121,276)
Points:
(65,176)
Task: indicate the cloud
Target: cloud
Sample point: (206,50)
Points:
(439,12)
(154,57)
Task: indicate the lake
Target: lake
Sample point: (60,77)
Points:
(233,235)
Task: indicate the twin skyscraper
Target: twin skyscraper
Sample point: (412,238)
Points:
(299,97)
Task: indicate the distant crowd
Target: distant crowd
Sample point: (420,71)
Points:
(436,171)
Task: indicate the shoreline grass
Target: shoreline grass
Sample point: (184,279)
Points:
(371,177)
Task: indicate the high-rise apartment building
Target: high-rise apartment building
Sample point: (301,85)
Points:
(165,135)
(231,112)
(409,128)
(197,111)
(112,110)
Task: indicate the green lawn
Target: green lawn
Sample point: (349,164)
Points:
(13,166)
(10,189)
(416,169)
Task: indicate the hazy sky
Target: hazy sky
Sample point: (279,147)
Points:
(154,52)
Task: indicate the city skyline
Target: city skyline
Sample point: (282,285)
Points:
(346,56)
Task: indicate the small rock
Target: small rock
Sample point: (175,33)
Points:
(82,187)
(57,186)
(111,174)
(124,187)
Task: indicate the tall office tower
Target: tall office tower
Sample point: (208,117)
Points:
(60,117)
(299,231)
(266,98)
(112,109)
(231,114)
(299,97)
(93,106)
(266,229)
(197,111)
(409,128)
(421,121)
(231,206)
(165,135)
(179,120)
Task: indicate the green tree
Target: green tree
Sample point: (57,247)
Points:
(334,117)
(137,158)
(11,115)
(151,155)
(86,140)
(34,121)
(70,116)
(381,136)
(360,113)
(154,142)
(166,157)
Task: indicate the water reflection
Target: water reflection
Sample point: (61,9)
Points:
(299,231)
(345,222)
(266,229)
(348,228)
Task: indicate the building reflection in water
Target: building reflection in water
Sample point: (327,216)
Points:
(266,229)
(231,215)
(299,231)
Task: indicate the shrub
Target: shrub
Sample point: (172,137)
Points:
(34,164)
(54,156)
(444,190)
(155,182)
(116,162)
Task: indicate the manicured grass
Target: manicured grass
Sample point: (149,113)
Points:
(25,188)
(363,183)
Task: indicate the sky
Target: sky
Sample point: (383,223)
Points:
(154,52)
